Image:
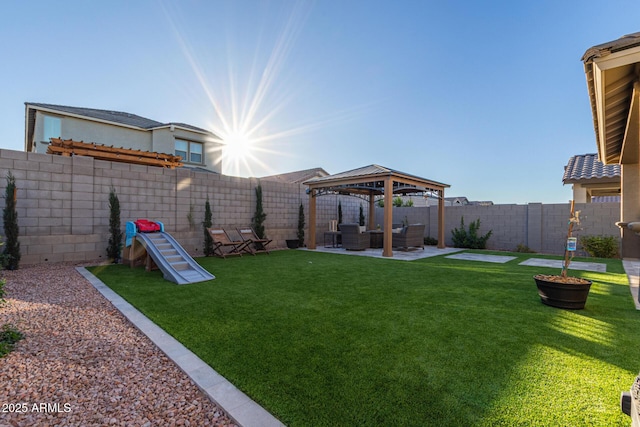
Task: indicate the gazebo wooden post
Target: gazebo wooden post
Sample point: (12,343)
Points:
(312,219)
(372,211)
(441,219)
(388,217)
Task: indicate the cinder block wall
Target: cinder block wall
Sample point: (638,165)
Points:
(63,208)
(543,228)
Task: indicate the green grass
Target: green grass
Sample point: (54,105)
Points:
(324,339)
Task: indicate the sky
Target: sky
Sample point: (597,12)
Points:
(489,97)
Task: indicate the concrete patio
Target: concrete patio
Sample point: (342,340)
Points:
(427,252)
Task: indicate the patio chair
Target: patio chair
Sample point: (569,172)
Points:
(235,237)
(251,238)
(352,238)
(223,245)
(410,236)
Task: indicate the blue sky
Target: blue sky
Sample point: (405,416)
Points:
(487,96)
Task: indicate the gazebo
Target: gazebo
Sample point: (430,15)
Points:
(369,182)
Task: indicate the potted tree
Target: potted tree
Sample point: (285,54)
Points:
(563,291)
(361,220)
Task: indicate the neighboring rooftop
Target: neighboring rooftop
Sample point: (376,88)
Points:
(111,116)
(297,177)
(584,167)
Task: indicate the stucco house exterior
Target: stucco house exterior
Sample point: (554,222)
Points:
(592,180)
(613,81)
(199,148)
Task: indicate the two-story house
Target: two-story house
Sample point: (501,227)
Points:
(197,147)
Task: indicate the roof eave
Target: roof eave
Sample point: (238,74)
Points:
(177,126)
(599,62)
(83,117)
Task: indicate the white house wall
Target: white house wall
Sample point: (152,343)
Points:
(90,131)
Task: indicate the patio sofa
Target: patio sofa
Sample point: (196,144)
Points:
(410,236)
(352,238)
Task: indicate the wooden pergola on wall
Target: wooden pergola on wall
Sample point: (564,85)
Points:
(69,147)
(371,181)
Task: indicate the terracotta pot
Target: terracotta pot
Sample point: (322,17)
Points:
(556,293)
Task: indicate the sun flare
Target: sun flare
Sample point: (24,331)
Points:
(238,149)
(247,100)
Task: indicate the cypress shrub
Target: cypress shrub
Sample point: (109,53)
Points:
(258,218)
(207,223)
(301,226)
(11,253)
(115,239)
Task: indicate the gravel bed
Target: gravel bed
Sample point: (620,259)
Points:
(82,363)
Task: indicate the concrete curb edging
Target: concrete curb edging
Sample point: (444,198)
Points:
(632,268)
(234,402)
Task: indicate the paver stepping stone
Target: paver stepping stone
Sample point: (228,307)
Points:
(482,257)
(574,265)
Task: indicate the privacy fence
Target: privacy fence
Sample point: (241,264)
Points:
(540,227)
(63,209)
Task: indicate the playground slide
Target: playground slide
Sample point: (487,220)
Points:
(174,262)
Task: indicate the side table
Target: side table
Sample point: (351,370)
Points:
(377,240)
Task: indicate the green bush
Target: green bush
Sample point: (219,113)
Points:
(469,239)
(430,241)
(524,249)
(9,335)
(600,246)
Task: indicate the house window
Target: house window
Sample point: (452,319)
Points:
(52,127)
(191,152)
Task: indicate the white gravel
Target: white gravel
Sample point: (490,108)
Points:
(82,363)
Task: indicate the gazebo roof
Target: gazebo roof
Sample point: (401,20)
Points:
(370,180)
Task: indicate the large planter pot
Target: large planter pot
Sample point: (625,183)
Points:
(293,244)
(563,292)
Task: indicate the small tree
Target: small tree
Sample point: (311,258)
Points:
(258,218)
(301,226)
(115,239)
(11,253)
(206,224)
(339,212)
(361,217)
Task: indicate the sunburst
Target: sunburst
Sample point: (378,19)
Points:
(245,113)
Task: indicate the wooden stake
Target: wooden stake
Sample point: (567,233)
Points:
(565,267)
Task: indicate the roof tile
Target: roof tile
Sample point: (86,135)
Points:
(587,167)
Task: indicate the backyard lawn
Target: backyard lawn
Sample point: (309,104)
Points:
(326,339)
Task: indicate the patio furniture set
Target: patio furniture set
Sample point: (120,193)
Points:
(353,238)
(237,241)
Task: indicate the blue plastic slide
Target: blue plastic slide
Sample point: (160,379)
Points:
(175,263)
